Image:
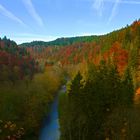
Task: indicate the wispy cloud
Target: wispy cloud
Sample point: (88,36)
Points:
(11,16)
(98,5)
(114,10)
(115,7)
(125,1)
(31,9)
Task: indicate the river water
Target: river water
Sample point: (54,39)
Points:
(50,130)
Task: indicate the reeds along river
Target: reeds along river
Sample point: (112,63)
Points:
(50,130)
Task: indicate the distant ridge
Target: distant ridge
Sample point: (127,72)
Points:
(61,41)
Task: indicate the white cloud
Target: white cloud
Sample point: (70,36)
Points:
(115,7)
(27,37)
(31,9)
(125,1)
(85,34)
(11,16)
(90,34)
(114,10)
(98,5)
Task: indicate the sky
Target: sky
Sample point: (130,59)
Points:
(30,20)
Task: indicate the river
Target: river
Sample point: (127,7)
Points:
(50,130)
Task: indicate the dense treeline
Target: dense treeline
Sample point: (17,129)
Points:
(60,41)
(99,106)
(15,63)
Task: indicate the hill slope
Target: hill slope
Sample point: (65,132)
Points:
(121,47)
(15,62)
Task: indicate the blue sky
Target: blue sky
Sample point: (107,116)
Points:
(28,20)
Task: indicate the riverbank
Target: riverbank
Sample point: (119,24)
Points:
(51,126)
(24,104)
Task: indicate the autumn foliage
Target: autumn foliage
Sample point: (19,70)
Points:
(15,62)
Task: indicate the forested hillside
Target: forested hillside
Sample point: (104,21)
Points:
(25,92)
(103,103)
(121,47)
(15,63)
(60,41)
(102,100)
